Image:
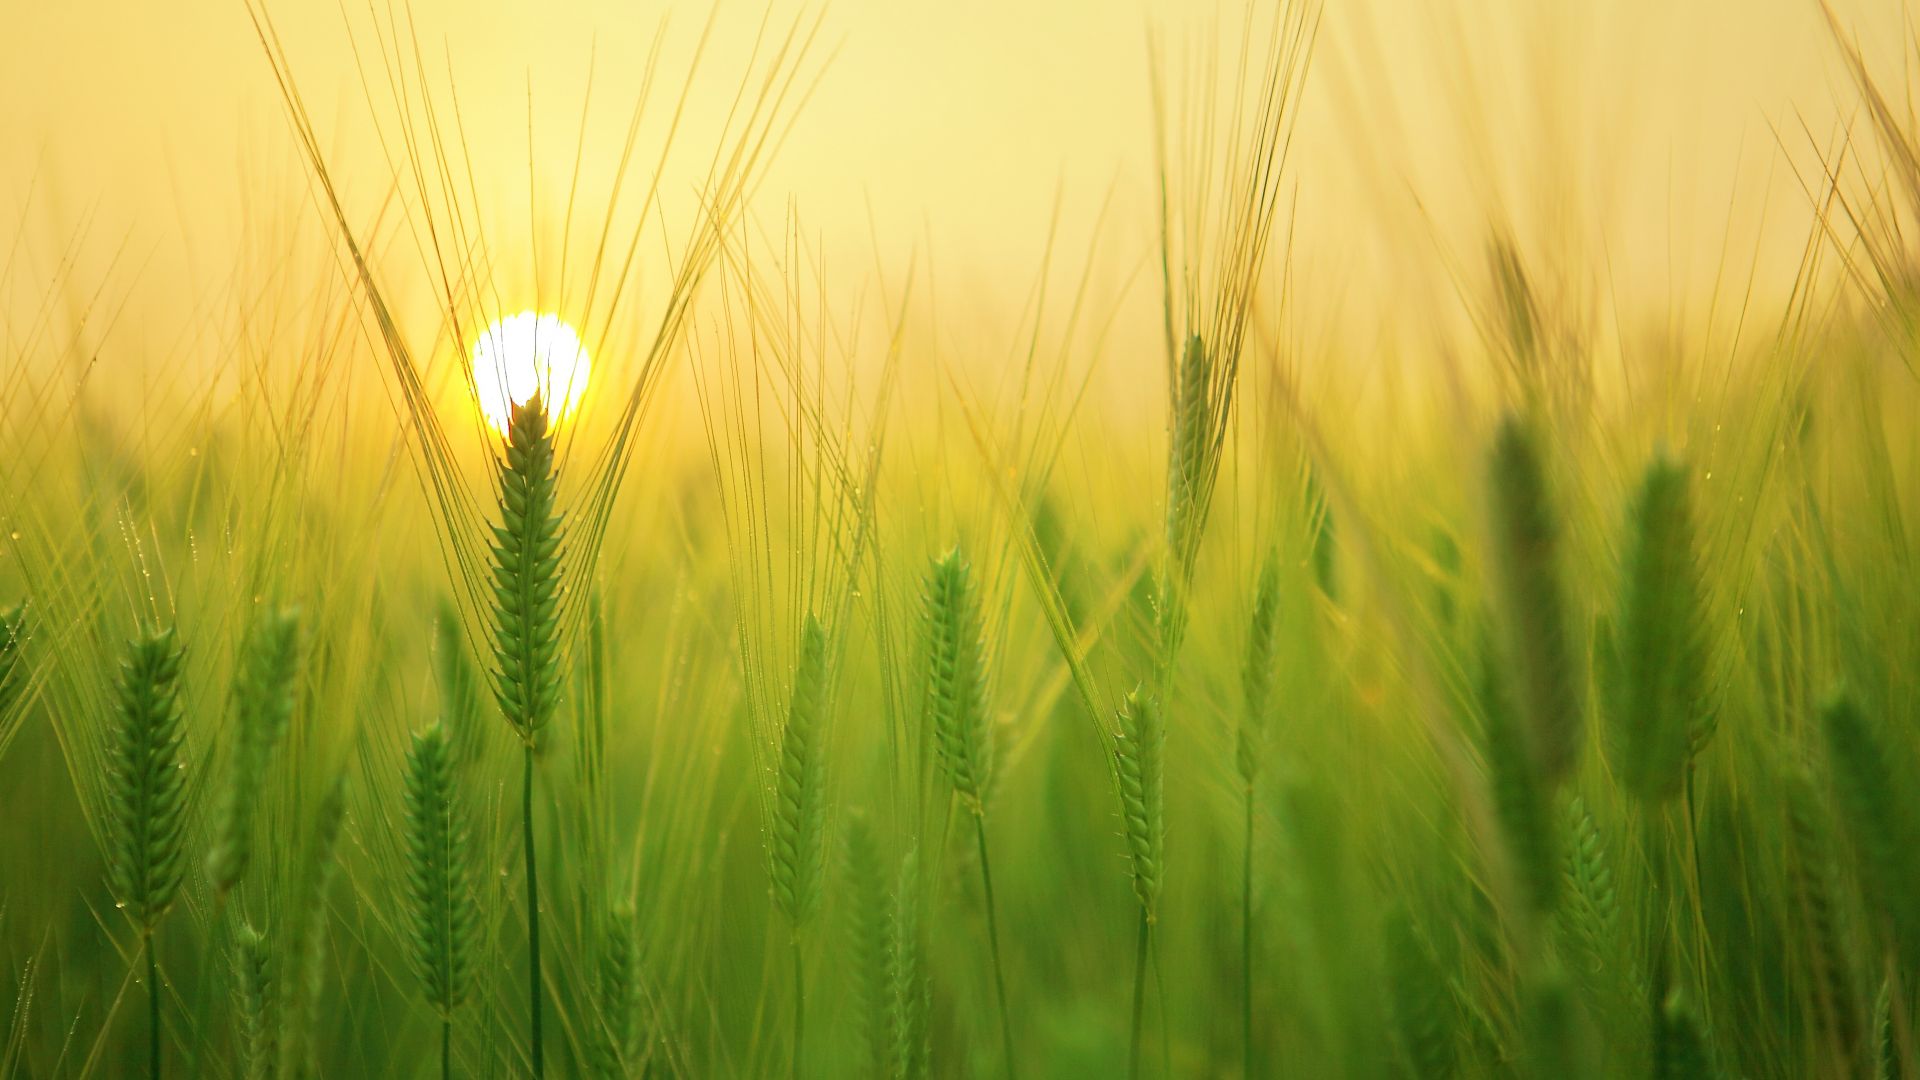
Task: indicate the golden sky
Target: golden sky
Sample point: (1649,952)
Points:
(1641,136)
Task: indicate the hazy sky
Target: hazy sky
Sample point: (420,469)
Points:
(1637,132)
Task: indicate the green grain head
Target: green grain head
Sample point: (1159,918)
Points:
(910,1004)
(1522,805)
(147,780)
(1817,912)
(439,892)
(1680,1047)
(1139,752)
(957,677)
(526,576)
(1560,1041)
(1257,672)
(1425,1019)
(1880,812)
(869,944)
(800,792)
(1886,1036)
(1658,671)
(617,985)
(263,708)
(1527,556)
(1589,914)
(253,995)
(1189,445)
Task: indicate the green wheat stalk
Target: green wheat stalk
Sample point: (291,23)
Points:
(263,707)
(1680,1047)
(1659,669)
(438,890)
(253,994)
(1256,682)
(1526,533)
(1886,1035)
(909,1001)
(1811,876)
(798,852)
(1421,1002)
(147,803)
(1559,1045)
(957,698)
(869,942)
(618,989)
(1521,801)
(300,995)
(526,636)
(1139,750)
(958,678)
(1880,813)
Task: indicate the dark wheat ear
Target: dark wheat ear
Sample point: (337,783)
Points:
(1680,1047)
(1421,1001)
(1656,660)
(146,781)
(263,708)
(438,888)
(1521,802)
(1818,912)
(1880,813)
(1526,534)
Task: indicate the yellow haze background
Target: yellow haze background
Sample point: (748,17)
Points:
(1647,149)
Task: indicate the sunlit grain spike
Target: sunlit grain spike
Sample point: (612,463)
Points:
(957,677)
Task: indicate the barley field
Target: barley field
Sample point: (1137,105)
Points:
(1309,539)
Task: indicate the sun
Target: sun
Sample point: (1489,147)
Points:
(524,353)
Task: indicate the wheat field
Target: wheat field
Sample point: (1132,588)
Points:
(1371,570)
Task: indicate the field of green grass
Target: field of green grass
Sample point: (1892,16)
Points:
(851,688)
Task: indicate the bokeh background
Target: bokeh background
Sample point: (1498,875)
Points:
(1658,147)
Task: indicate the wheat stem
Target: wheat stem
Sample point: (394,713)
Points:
(533,916)
(799,1003)
(1139,995)
(526,594)
(153,1009)
(993,944)
(1246,941)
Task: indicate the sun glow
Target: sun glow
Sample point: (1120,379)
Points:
(526,353)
